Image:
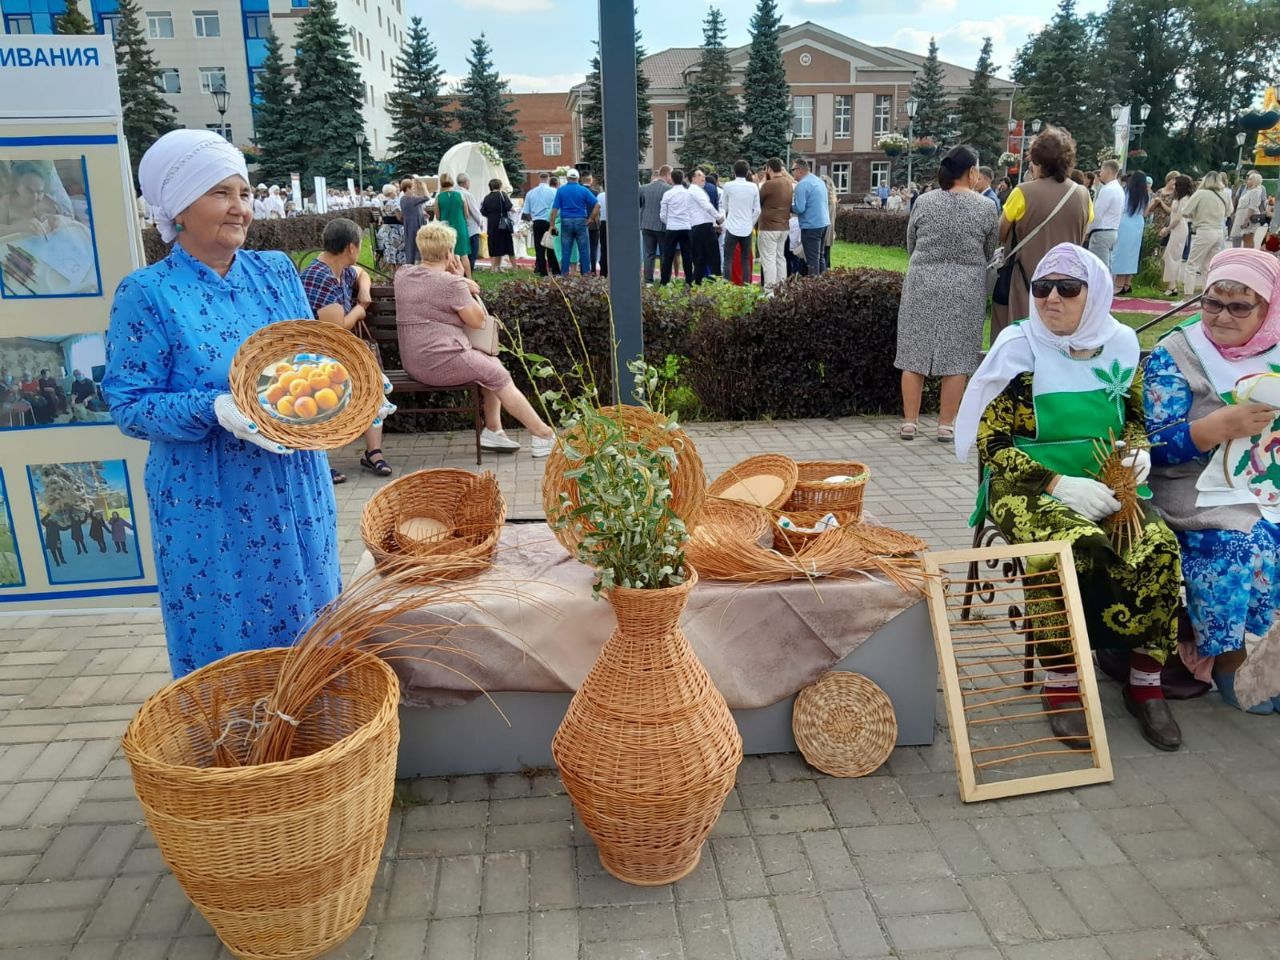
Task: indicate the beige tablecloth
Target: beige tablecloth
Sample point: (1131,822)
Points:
(760,643)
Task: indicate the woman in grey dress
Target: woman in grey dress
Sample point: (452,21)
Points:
(951,237)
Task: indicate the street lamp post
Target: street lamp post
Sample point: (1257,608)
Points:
(220,97)
(1135,129)
(791,135)
(912,106)
(360,142)
(1241,137)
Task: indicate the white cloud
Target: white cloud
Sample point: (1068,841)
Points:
(511,6)
(960,42)
(531,82)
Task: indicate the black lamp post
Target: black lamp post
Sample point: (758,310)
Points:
(220,97)
(1241,137)
(360,142)
(912,106)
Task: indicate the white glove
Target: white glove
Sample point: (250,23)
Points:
(1139,462)
(1089,498)
(237,424)
(387,408)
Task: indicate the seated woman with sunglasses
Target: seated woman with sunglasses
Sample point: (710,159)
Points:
(1230,553)
(1050,387)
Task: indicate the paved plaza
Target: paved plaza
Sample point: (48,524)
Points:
(1179,858)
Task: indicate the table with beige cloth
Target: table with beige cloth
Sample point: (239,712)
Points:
(534,631)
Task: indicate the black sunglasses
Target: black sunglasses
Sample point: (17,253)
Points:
(1236,309)
(1068,287)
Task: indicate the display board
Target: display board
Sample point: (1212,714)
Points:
(74,527)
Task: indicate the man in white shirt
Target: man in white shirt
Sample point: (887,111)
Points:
(676,214)
(1107,210)
(740,206)
(475,223)
(703,220)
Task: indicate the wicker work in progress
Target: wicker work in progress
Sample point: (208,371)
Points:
(468,507)
(742,519)
(764,481)
(844,724)
(648,750)
(795,540)
(286,339)
(280,858)
(812,494)
(688,482)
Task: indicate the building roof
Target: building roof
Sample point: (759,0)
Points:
(952,75)
(666,67)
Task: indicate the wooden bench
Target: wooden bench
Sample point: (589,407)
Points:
(381,324)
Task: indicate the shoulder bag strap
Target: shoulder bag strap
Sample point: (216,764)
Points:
(1043,223)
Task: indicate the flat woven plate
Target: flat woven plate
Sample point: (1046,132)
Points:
(763,481)
(844,724)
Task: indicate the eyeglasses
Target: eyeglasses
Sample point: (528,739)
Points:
(1235,308)
(1068,288)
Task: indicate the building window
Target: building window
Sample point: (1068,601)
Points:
(109,24)
(257,25)
(379,16)
(551,145)
(255,81)
(300,4)
(207,23)
(167,80)
(844,117)
(883,116)
(802,117)
(224,129)
(879,173)
(213,78)
(675,126)
(384,60)
(840,176)
(160,25)
(19,24)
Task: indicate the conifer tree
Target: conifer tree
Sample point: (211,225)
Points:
(1054,69)
(147,114)
(327,110)
(979,125)
(484,112)
(931,103)
(766,94)
(274,131)
(714,132)
(420,131)
(73,21)
(593,117)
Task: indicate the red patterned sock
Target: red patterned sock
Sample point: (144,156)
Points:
(1061,688)
(1144,677)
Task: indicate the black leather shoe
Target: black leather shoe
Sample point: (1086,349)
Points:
(1156,722)
(1071,728)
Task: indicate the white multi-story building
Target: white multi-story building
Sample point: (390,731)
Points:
(204,45)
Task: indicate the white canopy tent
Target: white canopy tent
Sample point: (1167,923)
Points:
(480,162)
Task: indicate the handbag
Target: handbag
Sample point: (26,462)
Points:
(549,240)
(485,339)
(504,223)
(1000,269)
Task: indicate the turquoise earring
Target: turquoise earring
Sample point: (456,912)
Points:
(178,228)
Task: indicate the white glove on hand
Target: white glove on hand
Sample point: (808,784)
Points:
(387,408)
(1089,498)
(237,424)
(1139,462)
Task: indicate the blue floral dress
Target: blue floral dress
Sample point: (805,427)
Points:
(246,541)
(1230,575)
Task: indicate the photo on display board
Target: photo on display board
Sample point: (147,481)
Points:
(52,381)
(84,512)
(11,574)
(47,244)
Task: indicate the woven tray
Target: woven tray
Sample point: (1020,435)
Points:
(307,384)
(844,724)
(811,493)
(764,481)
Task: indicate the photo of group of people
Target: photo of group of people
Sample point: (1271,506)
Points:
(47,246)
(52,381)
(11,574)
(85,514)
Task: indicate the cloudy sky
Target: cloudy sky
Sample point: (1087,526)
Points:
(546,44)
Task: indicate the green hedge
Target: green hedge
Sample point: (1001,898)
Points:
(867,225)
(293,234)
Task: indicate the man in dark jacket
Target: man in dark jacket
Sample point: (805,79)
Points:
(651,228)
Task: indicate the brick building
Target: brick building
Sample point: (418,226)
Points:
(546,124)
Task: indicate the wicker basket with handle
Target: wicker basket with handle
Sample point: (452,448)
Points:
(811,493)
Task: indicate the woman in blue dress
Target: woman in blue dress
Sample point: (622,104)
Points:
(244,530)
(1128,249)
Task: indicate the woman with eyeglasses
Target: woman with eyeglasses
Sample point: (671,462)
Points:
(1049,389)
(1230,551)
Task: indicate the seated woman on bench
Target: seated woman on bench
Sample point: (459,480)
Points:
(434,301)
(1049,387)
(1230,551)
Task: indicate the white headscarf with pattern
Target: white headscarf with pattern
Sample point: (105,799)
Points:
(179,169)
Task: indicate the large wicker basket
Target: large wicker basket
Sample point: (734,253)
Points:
(773,469)
(811,494)
(468,505)
(688,482)
(280,858)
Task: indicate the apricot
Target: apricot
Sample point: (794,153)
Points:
(306,370)
(338,373)
(299,388)
(326,399)
(284,406)
(275,392)
(318,381)
(305,407)
(282,368)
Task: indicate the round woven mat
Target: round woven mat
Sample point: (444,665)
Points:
(844,724)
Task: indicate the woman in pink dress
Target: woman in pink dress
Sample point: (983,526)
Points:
(434,302)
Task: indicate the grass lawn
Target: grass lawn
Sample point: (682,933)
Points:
(844,254)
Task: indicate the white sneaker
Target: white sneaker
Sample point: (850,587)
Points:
(495,440)
(541,446)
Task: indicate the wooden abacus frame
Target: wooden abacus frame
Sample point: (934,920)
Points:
(951,609)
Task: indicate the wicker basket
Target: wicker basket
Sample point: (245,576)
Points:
(688,483)
(648,750)
(751,522)
(471,507)
(779,475)
(793,541)
(811,494)
(844,724)
(285,340)
(280,858)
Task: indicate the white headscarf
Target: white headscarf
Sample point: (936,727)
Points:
(1011,354)
(179,169)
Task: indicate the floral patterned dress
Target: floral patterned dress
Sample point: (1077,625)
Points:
(246,541)
(1130,600)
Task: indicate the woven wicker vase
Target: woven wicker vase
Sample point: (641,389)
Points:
(648,750)
(279,857)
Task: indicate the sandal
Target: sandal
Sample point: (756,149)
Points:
(375,464)
(908,431)
(946,433)
(337,477)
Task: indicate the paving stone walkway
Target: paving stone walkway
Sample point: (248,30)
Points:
(1179,858)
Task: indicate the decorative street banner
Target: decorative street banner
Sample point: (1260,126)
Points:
(74,529)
